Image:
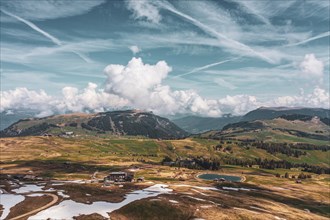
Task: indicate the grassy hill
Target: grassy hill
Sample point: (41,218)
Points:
(271,113)
(313,130)
(129,122)
(103,151)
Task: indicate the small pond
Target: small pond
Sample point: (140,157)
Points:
(211,176)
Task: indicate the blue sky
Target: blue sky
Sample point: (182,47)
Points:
(219,56)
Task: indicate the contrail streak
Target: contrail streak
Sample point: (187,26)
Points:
(235,44)
(326,34)
(44,33)
(206,67)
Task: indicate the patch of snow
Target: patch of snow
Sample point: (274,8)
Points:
(199,192)
(198,187)
(206,206)
(173,201)
(70,181)
(57,184)
(8,201)
(67,209)
(260,209)
(60,193)
(235,189)
(278,218)
(50,190)
(28,188)
(35,195)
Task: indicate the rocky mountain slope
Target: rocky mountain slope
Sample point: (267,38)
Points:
(130,122)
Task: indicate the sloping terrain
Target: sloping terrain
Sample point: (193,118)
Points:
(9,117)
(271,113)
(197,124)
(117,123)
(290,126)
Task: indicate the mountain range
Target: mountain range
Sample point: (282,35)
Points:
(197,124)
(138,123)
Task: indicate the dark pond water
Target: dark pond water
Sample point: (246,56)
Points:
(207,176)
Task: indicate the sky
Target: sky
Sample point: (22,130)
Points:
(171,57)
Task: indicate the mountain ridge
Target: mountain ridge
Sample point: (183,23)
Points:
(198,124)
(128,122)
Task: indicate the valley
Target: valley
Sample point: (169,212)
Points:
(75,160)
(265,169)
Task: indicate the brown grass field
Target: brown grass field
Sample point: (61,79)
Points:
(78,158)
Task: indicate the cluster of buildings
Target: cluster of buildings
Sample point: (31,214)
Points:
(121,177)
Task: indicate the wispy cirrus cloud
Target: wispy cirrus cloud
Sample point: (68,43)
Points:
(144,9)
(224,39)
(319,36)
(206,67)
(37,10)
(44,33)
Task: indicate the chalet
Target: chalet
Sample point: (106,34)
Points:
(68,133)
(120,177)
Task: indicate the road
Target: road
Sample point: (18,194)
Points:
(55,199)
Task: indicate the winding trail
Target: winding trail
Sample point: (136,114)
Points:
(55,199)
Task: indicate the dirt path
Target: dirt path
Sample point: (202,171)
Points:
(55,199)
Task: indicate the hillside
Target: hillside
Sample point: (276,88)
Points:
(129,122)
(9,117)
(271,113)
(197,124)
(293,128)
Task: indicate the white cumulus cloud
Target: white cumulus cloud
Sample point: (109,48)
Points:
(311,67)
(21,98)
(140,85)
(135,49)
(317,98)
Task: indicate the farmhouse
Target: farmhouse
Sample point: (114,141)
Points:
(68,133)
(120,177)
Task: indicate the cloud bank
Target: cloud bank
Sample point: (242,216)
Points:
(140,85)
